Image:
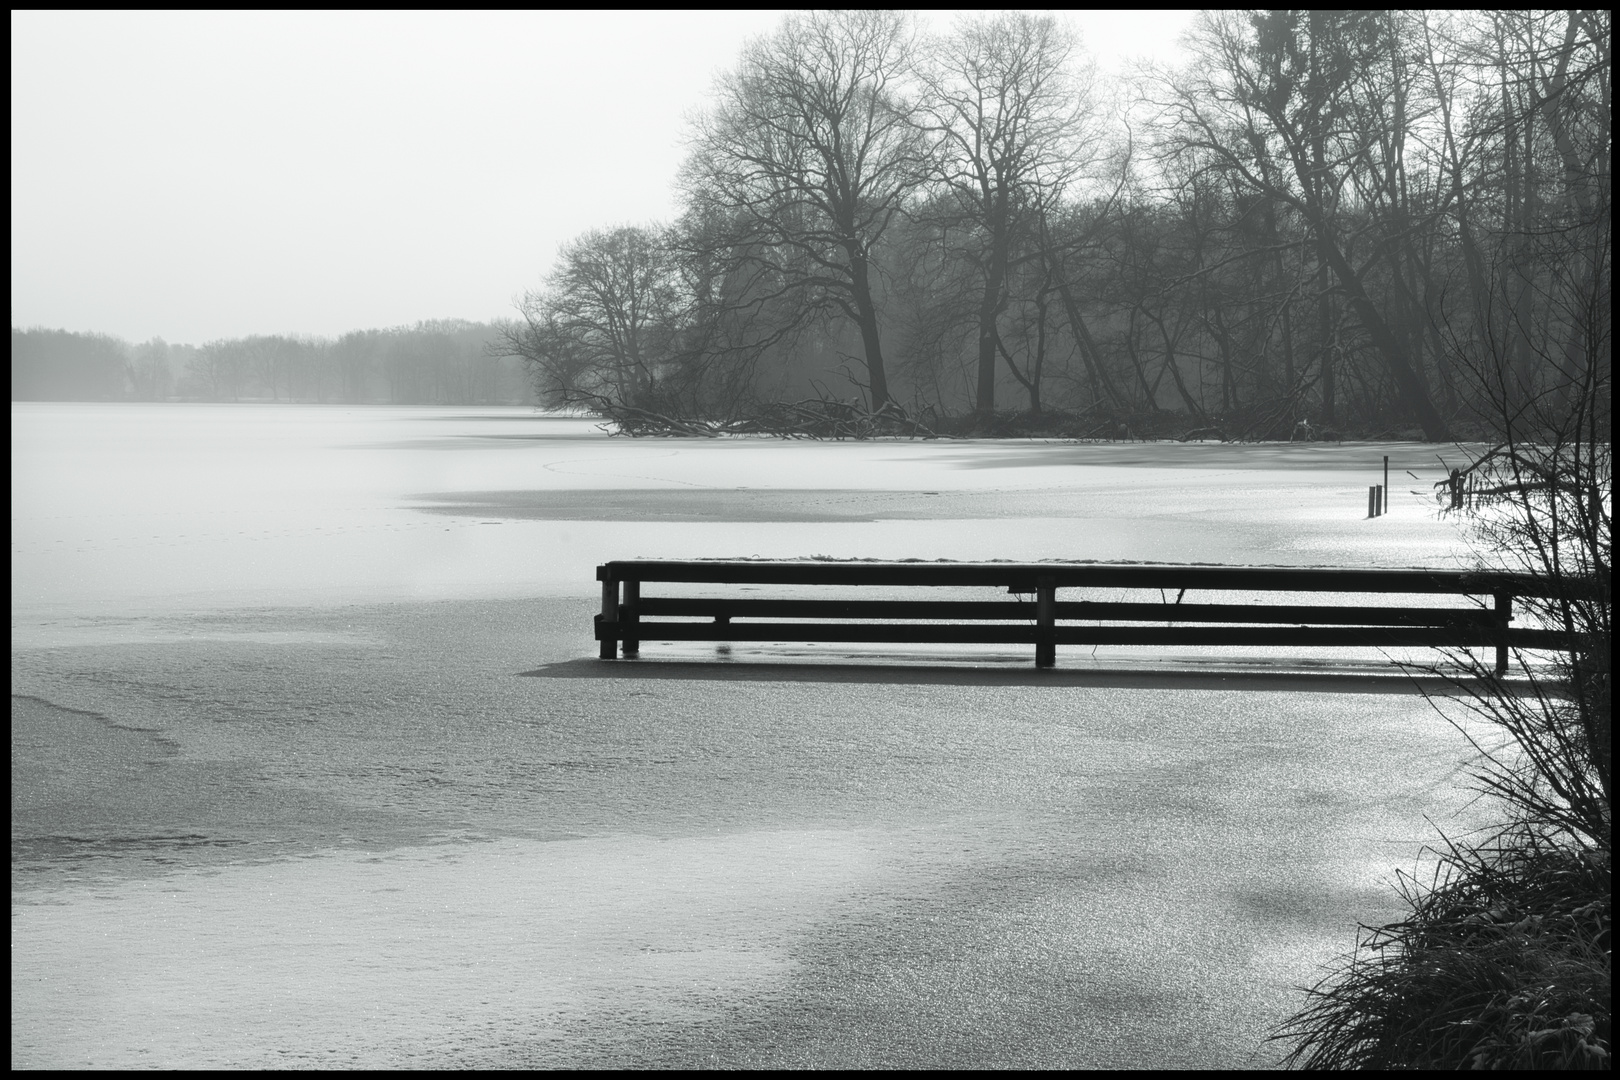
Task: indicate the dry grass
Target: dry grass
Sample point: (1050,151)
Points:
(1504,960)
(1503,963)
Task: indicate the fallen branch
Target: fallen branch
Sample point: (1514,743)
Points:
(812,418)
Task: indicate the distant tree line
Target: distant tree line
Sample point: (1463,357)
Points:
(1354,218)
(441,362)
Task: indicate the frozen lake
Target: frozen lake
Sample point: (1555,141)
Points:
(309,767)
(134,508)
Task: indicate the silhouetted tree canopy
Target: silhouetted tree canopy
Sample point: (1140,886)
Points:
(1369,220)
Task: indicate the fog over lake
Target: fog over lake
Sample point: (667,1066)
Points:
(312,762)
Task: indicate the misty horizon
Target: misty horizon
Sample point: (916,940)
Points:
(169,181)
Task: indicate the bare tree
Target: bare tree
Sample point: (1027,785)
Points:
(354,355)
(219,369)
(605,324)
(1009,111)
(803,163)
(149,370)
(1273,102)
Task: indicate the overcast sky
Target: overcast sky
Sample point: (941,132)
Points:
(195,176)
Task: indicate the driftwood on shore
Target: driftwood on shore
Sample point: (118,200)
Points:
(814,418)
(830,418)
(1504,471)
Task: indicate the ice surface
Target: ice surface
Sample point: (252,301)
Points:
(130,508)
(308,767)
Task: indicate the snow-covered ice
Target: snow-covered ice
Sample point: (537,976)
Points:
(309,764)
(169,507)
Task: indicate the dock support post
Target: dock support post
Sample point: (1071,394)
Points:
(1372,502)
(1045,622)
(631,628)
(607,623)
(1504,615)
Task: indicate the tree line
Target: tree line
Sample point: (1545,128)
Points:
(1383,219)
(438,362)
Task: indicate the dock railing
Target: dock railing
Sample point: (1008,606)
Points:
(1036,616)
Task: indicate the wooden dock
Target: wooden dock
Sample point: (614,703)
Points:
(1037,617)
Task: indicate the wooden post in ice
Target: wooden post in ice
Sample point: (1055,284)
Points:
(630,631)
(609,619)
(1045,622)
(1372,501)
(1503,616)
(1386,483)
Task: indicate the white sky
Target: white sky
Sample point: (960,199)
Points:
(201,175)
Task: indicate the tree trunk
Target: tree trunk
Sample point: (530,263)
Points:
(1135,355)
(1040,352)
(985,399)
(990,303)
(1324,330)
(877,378)
(1414,394)
(1223,346)
(1173,366)
(1082,337)
(1288,348)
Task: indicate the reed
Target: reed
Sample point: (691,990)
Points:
(1504,958)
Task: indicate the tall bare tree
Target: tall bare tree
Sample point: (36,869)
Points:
(1009,109)
(1272,101)
(806,158)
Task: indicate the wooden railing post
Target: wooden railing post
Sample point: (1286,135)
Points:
(630,628)
(1504,615)
(1045,622)
(607,623)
